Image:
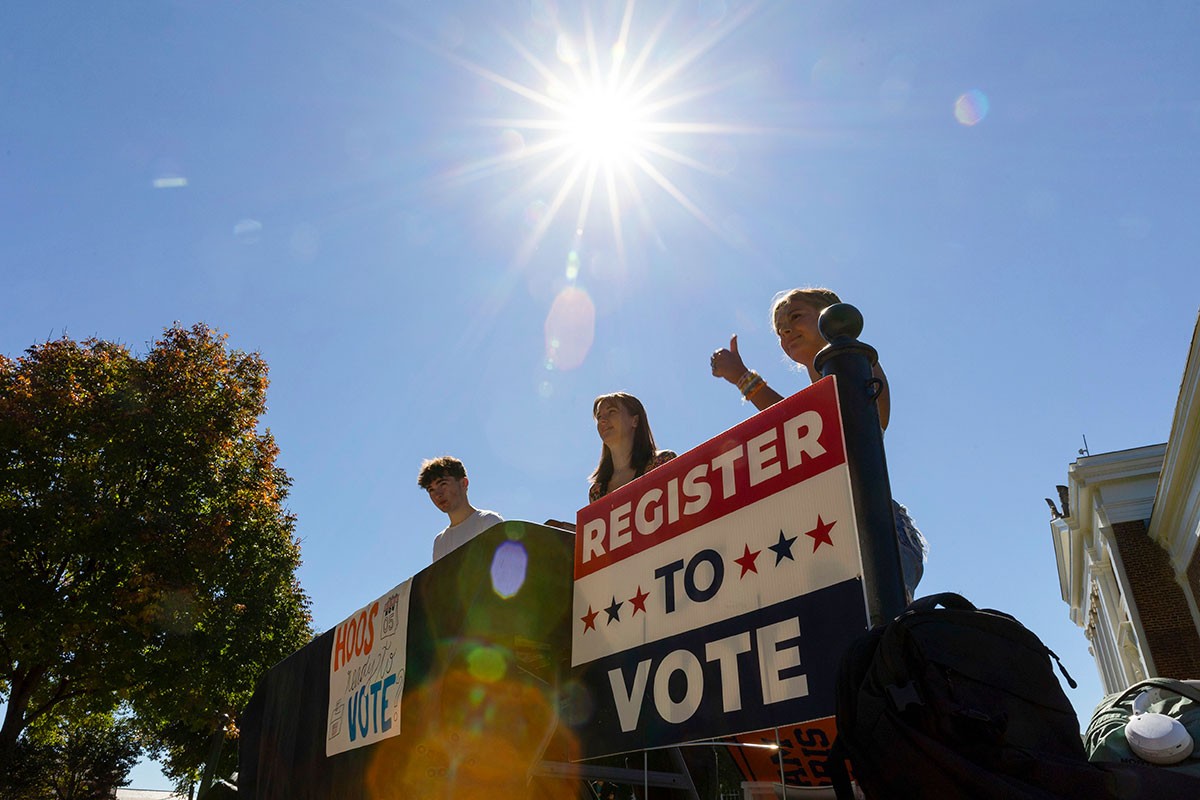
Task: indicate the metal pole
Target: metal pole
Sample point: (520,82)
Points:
(851,362)
(779,755)
(716,775)
(214,754)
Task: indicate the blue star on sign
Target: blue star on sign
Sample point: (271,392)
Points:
(614,612)
(783,548)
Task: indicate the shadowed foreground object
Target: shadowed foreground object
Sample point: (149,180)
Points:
(486,637)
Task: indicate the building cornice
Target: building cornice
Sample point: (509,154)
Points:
(1175,523)
(1103,489)
(1122,483)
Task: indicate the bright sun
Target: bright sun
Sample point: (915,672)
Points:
(604,122)
(605,126)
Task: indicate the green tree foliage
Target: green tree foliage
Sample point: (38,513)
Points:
(145,553)
(85,758)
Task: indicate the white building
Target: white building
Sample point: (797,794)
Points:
(1126,542)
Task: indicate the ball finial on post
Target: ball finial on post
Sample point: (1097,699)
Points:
(840,321)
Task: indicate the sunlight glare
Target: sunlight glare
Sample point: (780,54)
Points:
(604,126)
(604,117)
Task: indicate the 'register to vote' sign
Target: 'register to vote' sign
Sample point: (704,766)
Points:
(716,594)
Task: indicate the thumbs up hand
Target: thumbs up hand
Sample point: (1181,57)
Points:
(727,362)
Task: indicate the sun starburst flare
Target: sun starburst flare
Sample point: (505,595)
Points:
(604,123)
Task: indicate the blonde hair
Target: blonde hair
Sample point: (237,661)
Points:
(815,297)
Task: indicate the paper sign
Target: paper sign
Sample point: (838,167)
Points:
(366,673)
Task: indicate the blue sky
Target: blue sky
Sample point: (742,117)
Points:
(378,198)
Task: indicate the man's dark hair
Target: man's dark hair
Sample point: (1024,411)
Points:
(442,467)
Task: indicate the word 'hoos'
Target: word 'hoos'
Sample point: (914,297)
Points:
(355,636)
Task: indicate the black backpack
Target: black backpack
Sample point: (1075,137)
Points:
(951,701)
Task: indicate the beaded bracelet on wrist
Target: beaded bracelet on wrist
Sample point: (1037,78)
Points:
(758,387)
(751,386)
(749,377)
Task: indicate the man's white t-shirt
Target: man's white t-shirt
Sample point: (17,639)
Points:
(456,536)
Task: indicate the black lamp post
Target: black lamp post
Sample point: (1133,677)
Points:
(851,361)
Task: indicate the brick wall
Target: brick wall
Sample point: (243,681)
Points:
(1193,574)
(1171,635)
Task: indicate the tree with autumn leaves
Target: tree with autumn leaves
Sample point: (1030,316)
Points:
(147,562)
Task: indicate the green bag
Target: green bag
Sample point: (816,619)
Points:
(1105,736)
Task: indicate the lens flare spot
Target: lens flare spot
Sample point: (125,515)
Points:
(570,328)
(485,664)
(576,705)
(545,390)
(572,265)
(508,569)
(971,107)
(247,231)
(566,50)
(465,736)
(170,182)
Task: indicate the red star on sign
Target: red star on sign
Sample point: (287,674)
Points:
(746,562)
(820,534)
(639,601)
(589,620)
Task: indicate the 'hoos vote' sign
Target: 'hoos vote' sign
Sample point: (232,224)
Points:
(715,594)
(366,673)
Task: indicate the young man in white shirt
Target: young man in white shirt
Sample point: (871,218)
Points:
(445,479)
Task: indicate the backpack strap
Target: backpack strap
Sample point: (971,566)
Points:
(956,602)
(835,768)
(853,667)
(1070,681)
(1181,688)
(944,599)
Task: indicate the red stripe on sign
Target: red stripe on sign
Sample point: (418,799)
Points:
(792,441)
